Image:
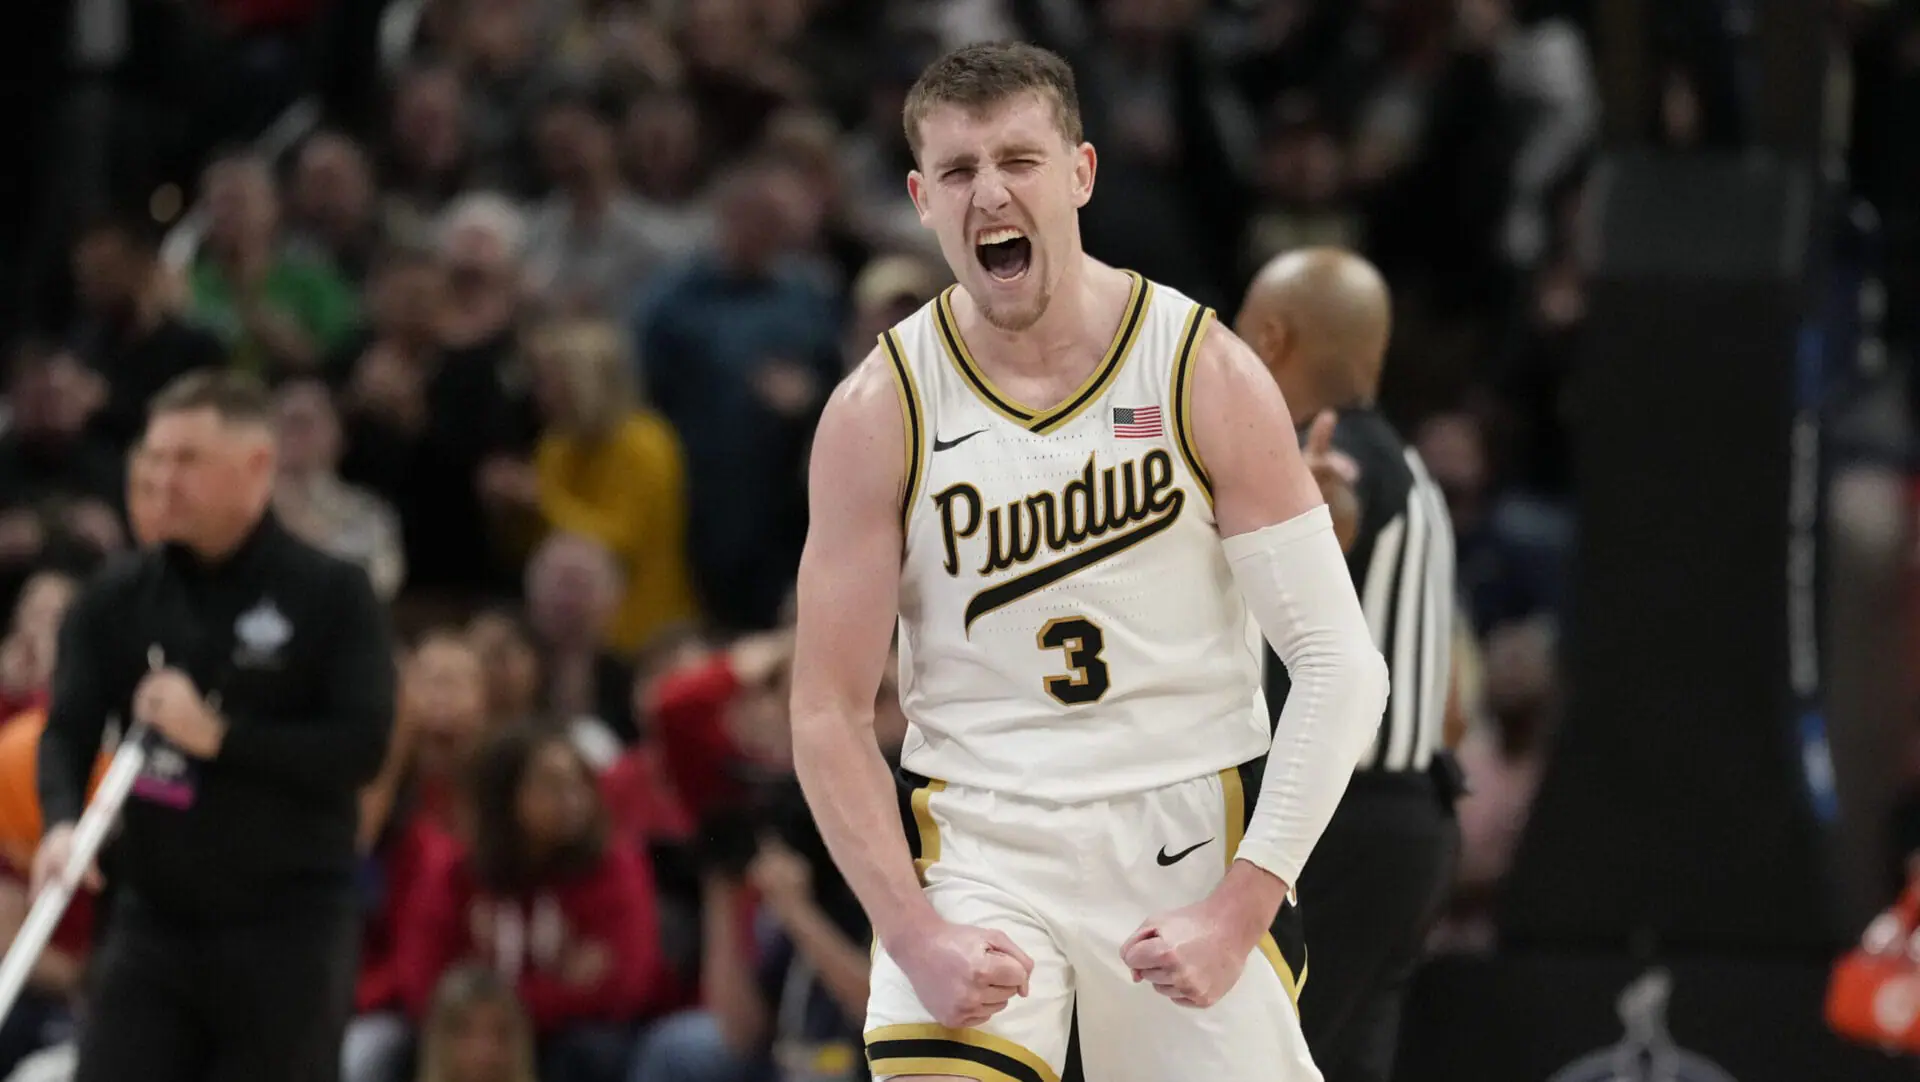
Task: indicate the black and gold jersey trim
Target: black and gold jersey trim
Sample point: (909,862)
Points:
(1285,944)
(1191,336)
(927,1049)
(915,416)
(1044,421)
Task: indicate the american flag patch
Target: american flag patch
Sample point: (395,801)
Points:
(1138,423)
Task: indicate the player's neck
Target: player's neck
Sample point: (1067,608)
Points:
(1077,314)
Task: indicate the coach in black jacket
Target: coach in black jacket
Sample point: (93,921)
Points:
(265,671)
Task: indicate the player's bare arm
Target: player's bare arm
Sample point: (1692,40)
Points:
(848,597)
(1280,542)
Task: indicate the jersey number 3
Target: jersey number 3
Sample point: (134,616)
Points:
(1082,640)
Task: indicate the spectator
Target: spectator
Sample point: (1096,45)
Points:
(661,153)
(43,1017)
(311,499)
(588,245)
(1503,765)
(412,819)
(425,405)
(506,644)
(500,45)
(790,1004)
(1302,187)
(476,1031)
(1511,548)
(26,655)
(740,349)
(572,589)
(612,471)
(334,207)
(426,162)
(545,901)
(131,332)
(888,290)
(59,484)
(279,312)
(807,142)
(735,72)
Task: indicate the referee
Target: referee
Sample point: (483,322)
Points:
(1319,319)
(265,671)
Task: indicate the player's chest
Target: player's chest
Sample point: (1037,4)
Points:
(997,497)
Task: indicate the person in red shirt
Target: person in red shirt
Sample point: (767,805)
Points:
(549,904)
(411,821)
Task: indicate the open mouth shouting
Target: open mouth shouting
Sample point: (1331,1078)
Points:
(1004,251)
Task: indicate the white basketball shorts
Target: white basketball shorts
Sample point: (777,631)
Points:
(1069,884)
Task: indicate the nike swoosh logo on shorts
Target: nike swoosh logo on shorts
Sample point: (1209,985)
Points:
(1167,861)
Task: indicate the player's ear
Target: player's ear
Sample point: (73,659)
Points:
(1085,164)
(917,189)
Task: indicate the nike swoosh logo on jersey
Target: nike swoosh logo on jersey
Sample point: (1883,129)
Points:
(942,445)
(1012,590)
(1166,861)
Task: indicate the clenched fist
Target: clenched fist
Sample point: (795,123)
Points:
(962,974)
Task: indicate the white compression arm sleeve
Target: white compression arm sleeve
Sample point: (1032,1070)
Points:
(1296,583)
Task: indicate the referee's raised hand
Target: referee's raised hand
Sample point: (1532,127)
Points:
(1336,474)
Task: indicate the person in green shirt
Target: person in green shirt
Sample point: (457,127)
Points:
(280,312)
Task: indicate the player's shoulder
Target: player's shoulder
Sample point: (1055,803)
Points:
(863,430)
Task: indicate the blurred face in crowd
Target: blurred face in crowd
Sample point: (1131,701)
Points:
(660,145)
(477,262)
(482,1044)
(408,300)
(428,126)
(146,502)
(555,803)
(308,427)
(1148,20)
(512,666)
(1303,166)
(576,146)
(496,36)
(1002,189)
(721,35)
(764,213)
(213,475)
(444,694)
(572,587)
(43,603)
(49,397)
(1456,456)
(242,207)
(109,271)
(333,184)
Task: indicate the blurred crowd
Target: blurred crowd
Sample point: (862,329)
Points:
(551,296)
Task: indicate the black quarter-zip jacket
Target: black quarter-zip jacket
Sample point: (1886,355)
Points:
(295,650)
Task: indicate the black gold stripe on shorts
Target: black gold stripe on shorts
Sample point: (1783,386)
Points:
(928,1049)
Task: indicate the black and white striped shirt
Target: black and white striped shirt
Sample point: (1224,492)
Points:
(1402,561)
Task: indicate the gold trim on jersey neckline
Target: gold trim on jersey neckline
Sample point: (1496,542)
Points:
(1044,421)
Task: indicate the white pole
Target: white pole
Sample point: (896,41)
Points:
(88,835)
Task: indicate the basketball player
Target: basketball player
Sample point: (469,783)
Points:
(1319,319)
(1077,495)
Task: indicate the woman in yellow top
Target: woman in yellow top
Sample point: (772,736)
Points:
(611,470)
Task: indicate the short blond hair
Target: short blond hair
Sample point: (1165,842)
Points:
(982,77)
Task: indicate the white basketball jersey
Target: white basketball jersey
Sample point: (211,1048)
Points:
(1069,627)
